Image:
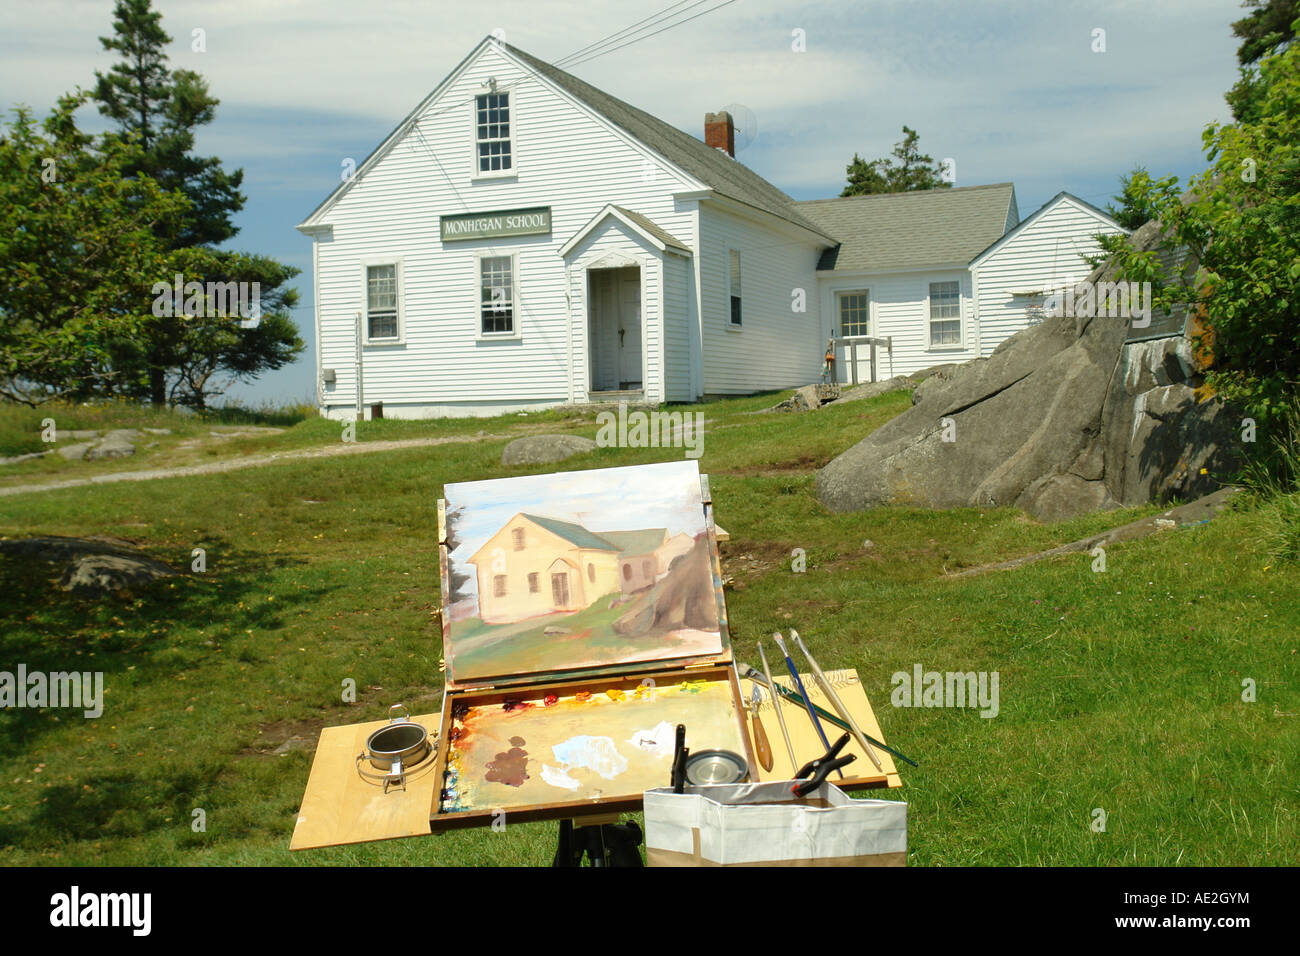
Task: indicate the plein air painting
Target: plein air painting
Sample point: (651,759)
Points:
(578,569)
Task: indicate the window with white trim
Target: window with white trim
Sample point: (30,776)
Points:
(381,303)
(734,263)
(497,295)
(945,314)
(854,313)
(493,148)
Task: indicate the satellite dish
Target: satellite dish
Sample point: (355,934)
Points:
(745,122)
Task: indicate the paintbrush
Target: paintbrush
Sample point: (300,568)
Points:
(776,703)
(834,698)
(747,670)
(807,701)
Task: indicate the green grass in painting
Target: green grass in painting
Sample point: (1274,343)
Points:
(1120,690)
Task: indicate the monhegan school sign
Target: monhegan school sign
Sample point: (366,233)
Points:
(493,225)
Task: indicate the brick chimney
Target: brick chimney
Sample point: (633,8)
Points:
(720,132)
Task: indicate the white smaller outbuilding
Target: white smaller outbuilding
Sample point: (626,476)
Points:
(1012,278)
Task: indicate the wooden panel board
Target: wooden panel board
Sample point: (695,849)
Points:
(862,773)
(566,572)
(340,807)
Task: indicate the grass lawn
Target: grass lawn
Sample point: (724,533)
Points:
(1119,691)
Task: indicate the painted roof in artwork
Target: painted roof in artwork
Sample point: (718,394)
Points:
(641,541)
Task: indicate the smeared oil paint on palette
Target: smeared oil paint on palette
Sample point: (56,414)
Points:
(585,746)
(576,570)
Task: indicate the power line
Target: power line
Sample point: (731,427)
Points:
(594,56)
(615,36)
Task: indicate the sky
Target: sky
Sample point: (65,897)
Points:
(1010,91)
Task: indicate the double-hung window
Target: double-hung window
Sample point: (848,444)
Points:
(497,295)
(734,271)
(493,144)
(854,314)
(383,302)
(945,314)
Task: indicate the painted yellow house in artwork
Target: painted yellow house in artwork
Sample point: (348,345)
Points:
(536,565)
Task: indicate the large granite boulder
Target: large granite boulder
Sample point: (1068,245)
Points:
(90,575)
(94,566)
(543,449)
(1064,417)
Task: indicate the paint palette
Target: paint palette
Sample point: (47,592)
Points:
(560,750)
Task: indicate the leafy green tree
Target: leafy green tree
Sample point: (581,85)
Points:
(162,109)
(1137,205)
(218,343)
(179,357)
(906,169)
(1138,197)
(1268,26)
(79,250)
(1266,31)
(1240,220)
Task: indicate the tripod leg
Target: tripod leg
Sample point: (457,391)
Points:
(566,847)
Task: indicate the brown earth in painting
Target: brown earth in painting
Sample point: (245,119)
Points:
(683,599)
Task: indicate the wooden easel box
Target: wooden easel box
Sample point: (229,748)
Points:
(625,677)
(340,808)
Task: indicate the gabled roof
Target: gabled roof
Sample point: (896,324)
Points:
(715,168)
(650,231)
(642,541)
(911,230)
(639,541)
(573,533)
(667,238)
(1059,197)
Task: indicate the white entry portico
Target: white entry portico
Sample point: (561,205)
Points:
(620,312)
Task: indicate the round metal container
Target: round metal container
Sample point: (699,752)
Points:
(401,745)
(706,767)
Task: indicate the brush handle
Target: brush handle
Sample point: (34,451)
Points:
(776,705)
(792,696)
(807,702)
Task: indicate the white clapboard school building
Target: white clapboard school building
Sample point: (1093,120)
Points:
(523,240)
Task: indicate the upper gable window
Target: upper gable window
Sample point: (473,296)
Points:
(493,145)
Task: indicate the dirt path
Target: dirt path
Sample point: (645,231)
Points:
(248,461)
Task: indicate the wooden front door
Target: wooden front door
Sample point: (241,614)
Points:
(629,329)
(560,589)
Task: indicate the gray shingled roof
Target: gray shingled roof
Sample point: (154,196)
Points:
(912,229)
(711,166)
(654,229)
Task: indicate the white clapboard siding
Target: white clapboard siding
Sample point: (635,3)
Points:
(1047,249)
(775,347)
(680,321)
(899,308)
(566,159)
